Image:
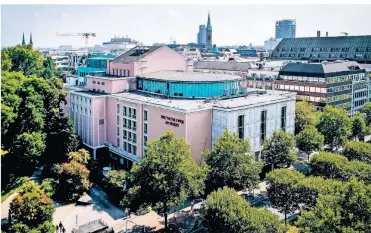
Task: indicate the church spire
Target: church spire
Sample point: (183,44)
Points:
(23,40)
(31,43)
(208,22)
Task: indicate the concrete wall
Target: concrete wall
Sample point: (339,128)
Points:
(199,132)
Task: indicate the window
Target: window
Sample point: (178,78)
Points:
(134,113)
(93,82)
(101,122)
(134,150)
(145,141)
(129,136)
(125,134)
(125,146)
(98,83)
(129,148)
(263,119)
(129,124)
(134,125)
(283,118)
(134,137)
(129,112)
(145,115)
(118,108)
(118,119)
(118,130)
(128,73)
(89,112)
(125,123)
(103,83)
(241,123)
(124,111)
(145,128)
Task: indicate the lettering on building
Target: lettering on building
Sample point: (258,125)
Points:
(172,121)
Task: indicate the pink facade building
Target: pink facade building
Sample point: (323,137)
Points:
(149,91)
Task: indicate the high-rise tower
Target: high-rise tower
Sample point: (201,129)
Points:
(23,40)
(209,33)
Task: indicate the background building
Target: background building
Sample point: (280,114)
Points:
(317,49)
(342,84)
(201,35)
(286,28)
(271,44)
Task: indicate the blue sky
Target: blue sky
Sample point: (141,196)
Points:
(232,24)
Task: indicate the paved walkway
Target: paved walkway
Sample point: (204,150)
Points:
(5,205)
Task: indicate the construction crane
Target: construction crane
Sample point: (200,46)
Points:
(344,33)
(85,35)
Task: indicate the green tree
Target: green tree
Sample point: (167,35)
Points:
(165,176)
(346,211)
(282,191)
(329,165)
(81,156)
(231,164)
(46,227)
(278,150)
(335,125)
(49,68)
(305,114)
(26,60)
(309,139)
(358,151)
(31,206)
(6,62)
(10,85)
(73,181)
(358,126)
(29,147)
(367,111)
(115,183)
(334,166)
(225,211)
(48,185)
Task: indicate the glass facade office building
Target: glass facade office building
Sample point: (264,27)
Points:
(286,28)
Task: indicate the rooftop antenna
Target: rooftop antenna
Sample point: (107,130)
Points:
(344,33)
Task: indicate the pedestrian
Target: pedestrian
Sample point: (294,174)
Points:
(126,212)
(129,213)
(56,227)
(60,225)
(64,230)
(192,206)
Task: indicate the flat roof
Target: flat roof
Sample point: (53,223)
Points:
(108,77)
(189,76)
(187,105)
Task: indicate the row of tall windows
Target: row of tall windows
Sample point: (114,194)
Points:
(263,123)
(80,100)
(145,131)
(129,126)
(121,72)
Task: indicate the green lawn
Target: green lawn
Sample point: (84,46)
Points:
(12,186)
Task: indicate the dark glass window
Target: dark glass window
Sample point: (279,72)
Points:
(263,122)
(241,123)
(283,118)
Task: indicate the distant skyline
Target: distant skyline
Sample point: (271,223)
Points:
(232,24)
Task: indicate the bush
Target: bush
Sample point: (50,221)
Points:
(51,171)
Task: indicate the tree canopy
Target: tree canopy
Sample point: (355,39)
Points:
(278,150)
(225,211)
(29,147)
(334,166)
(73,181)
(309,139)
(358,151)
(165,176)
(367,111)
(305,114)
(281,190)
(81,156)
(25,59)
(335,125)
(359,126)
(231,164)
(31,206)
(348,210)
(115,184)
